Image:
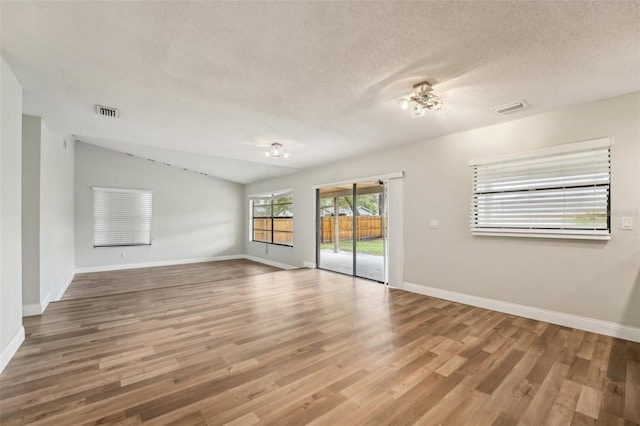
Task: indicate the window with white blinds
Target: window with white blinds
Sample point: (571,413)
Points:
(121,217)
(560,192)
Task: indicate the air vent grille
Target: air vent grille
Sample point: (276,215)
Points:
(107,111)
(505,109)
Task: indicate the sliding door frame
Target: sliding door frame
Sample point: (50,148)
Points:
(385,235)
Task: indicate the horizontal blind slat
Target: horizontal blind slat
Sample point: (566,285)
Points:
(564,192)
(122,217)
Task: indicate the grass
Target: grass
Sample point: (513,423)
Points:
(374,247)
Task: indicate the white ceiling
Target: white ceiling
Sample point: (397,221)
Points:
(204,85)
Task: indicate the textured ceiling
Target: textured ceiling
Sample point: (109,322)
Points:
(205,84)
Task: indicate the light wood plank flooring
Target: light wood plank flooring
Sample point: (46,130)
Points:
(129,280)
(309,347)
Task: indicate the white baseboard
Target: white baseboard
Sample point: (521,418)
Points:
(176,262)
(65,286)
(568,320)
(11,349)
(310,265)
(269,262)
(39,308)
(157,263)
(36,308)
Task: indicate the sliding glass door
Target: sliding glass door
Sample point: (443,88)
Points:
(352,229)
(371,230)
(336,229)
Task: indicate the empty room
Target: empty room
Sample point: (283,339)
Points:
(319,213)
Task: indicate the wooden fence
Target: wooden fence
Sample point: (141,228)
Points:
(282,230)
(369,227)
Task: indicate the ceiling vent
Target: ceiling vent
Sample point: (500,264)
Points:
(509,108)
(107,111)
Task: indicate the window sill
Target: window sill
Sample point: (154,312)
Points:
(272,244)
(122,245)
(543,235)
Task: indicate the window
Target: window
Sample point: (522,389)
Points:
(272,218)
(560,192)
(121,217)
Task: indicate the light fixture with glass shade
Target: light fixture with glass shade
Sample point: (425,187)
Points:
(276,150)
(420,99)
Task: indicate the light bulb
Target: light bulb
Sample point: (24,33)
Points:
(404,103)
(266,154)
(418,109)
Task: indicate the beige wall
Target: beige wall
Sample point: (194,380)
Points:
(194,216)
(31,210)
(10,219)
(598,280)
(47,214)
(57,226)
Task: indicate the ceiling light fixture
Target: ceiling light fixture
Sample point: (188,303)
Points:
(420,99)
(276,150)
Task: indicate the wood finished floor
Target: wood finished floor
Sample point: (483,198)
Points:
(129,280)
(309,347)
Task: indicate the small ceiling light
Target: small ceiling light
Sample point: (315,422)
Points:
(276,150)
(420,99)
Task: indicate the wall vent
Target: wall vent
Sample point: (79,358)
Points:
(107,111)
(505,109)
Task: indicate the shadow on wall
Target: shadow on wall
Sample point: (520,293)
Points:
(215,237)
(632,312)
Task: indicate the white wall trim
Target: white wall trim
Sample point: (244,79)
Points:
(568,320)
(44,303)
(36,308)
(174,262)
(11,349)
(65,286)
(310,265)
(556,233)
(157,263)
(269,262)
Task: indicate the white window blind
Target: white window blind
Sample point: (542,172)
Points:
(121,217)
(562,192)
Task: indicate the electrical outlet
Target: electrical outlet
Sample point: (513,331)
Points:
(626,223)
